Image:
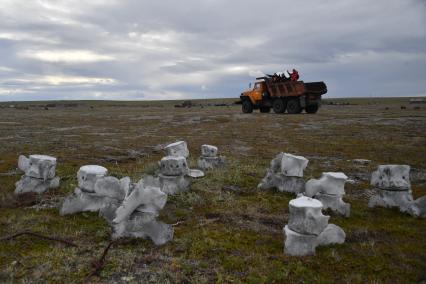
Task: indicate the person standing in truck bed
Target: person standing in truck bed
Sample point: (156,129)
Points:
(294,76)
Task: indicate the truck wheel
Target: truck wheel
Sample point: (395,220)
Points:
(312,108)
(293,106)
(265,109)
(247,106)
(279,106)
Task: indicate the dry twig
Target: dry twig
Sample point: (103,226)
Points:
(29,233)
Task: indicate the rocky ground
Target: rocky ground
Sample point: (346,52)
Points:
(225,229)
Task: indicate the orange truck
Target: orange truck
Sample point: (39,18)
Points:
(283,94)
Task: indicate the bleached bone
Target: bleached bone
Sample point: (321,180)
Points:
(208,163)
(306,216)
(335,203)
(282,183)
(296,244)
(401,199)
(208,150)
(194,173)
(174,184)
(82,201)
(38,166)
(30,184)
(145,197)
(276,163)
(23,163)
(292,165)
(391,177)
(332,234)
(174,166)
(109,187)
(125,185)
(87,176)
(177,149)
(418,207)
(143,225)
(332,183)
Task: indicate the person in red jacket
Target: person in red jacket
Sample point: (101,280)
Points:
(294,76)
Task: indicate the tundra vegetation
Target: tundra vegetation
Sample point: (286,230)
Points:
(226,230)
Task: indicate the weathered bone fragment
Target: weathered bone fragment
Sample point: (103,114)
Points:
(329,189)
(23,163)
(393,189)
(208,163)
(174,166)
(30,184)
(285,174)
(137,216)
(39,174)
(95,191)
(332,234)
(208,150)
(293,166)
(418,208)
(145,197)
(88,175)
(82,201)
(308,228)
(177,149)
(209,158)
(391,177)
(330,183)
(391,198)
(174,184)
(194,173)
(306,216)
(335,203)
(296,244)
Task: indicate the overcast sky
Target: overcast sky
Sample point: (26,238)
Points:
(135,50)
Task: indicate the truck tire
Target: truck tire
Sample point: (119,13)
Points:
(278,105)
(311,108)
(247,106)
(293,106)
(265,109)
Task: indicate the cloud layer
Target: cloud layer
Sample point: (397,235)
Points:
(99,49)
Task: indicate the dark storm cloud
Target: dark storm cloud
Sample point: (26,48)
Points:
(111,49)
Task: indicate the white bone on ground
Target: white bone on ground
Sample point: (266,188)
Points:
(330,183)
(94,169)
(292,165)
(23,163)
(336,175)
(304,201)
(208,150)
(298,244)
(307,219)
(149,197)
(174,166)
(110,187)
(39,166)
(87,176)
(179,148)
(43,158)
(391,176)
(194,173)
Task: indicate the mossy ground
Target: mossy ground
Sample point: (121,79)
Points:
(228,231)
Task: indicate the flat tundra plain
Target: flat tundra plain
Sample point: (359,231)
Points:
(226,230)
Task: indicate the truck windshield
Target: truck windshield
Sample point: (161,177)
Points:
(256,86)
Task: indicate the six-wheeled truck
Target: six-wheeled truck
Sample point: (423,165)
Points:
(281,95)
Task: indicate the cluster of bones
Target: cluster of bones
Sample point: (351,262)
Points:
(132,209)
